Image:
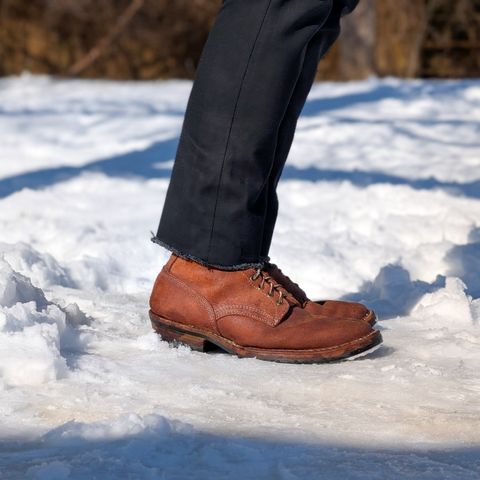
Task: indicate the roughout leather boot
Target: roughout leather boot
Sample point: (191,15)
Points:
(249,314)
(330,308)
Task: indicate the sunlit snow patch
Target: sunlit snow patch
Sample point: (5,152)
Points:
(33,331)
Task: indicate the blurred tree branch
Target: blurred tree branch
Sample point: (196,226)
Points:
(105,43)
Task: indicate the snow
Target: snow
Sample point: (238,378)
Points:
(33,331)
(380,202)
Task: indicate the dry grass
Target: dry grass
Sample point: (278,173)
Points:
(144,39)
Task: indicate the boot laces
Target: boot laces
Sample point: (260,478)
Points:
(273,286)
(289,279)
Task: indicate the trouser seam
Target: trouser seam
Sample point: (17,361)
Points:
(227,144)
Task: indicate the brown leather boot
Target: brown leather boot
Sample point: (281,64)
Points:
(330,308)
(247,313)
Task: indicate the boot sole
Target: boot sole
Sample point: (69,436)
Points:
(201,341)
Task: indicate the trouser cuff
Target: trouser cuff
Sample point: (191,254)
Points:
(188,256)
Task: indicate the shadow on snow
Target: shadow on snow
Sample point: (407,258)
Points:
(393,293)
(147,164)
(384,91)
(167,449)
(143,163)
(464,261)
(364,179)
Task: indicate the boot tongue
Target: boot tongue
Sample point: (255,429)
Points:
(295,293)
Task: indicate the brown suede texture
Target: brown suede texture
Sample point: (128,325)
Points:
(245,310)
(330,308)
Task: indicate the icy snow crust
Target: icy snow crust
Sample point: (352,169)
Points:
(380,202)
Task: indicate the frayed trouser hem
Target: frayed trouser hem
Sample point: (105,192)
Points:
(188,256)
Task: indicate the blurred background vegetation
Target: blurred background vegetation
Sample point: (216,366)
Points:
(148,39)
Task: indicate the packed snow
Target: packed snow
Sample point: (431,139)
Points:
(380,203)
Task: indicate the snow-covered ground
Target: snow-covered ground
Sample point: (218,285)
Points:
(380,202)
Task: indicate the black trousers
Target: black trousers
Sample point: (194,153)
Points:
(256,70)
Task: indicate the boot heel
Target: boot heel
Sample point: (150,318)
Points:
(173,336)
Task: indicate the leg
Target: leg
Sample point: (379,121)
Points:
(218,199)
(254,77)
(316,49)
